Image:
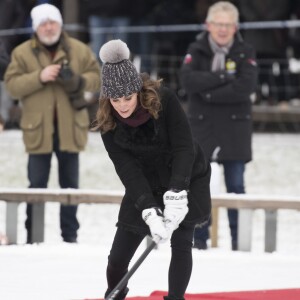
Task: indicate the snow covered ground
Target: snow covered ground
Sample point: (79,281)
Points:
(58,271)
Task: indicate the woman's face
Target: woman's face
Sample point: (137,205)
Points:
(125,106)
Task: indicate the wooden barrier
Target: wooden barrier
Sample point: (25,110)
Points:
(283,117)
(245,203)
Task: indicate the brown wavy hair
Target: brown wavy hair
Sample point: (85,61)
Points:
(148,97)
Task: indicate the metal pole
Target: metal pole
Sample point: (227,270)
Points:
(113,294)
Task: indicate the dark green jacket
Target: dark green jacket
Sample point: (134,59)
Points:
(41,103)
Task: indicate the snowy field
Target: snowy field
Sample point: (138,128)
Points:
(58,271)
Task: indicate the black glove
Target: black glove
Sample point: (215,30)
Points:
(78,102)
(65,73)
(70,81)
(73,84)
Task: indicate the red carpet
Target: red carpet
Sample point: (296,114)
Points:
(287,294)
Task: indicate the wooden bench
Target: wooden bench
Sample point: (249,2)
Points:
(282,116)
(39,197)
(245,203)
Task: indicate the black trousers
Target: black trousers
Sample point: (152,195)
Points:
(39,166)
(125,245)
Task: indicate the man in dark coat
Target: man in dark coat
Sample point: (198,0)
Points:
(219,74)
(4,61)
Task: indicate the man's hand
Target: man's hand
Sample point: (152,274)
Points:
(50,73)
(153,217)
(176,208)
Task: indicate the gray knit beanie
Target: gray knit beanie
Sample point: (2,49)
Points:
(119,75)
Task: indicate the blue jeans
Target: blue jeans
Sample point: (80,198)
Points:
(39,166)
(234,180)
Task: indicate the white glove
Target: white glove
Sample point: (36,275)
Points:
(176,208)
(153,217)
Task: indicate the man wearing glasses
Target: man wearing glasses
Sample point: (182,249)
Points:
(219,74)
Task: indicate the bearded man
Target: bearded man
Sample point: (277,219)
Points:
(49,74)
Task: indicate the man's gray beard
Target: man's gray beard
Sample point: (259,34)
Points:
(50,41)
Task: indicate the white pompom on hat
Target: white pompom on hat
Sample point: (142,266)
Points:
(119,75)
(44,12)
(114,51)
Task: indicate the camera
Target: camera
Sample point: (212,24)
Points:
(65,72)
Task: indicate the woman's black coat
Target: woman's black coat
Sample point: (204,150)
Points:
(219,105)
(155,157)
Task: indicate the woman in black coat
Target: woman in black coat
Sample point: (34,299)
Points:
(166,178)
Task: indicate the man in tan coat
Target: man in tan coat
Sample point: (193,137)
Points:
(49,74)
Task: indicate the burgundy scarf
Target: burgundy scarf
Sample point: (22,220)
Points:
(139,117)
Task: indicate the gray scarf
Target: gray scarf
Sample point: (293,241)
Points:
(218,62)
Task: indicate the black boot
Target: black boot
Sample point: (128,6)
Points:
(121,296)
(234,245)
(171,298)
(200,244)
